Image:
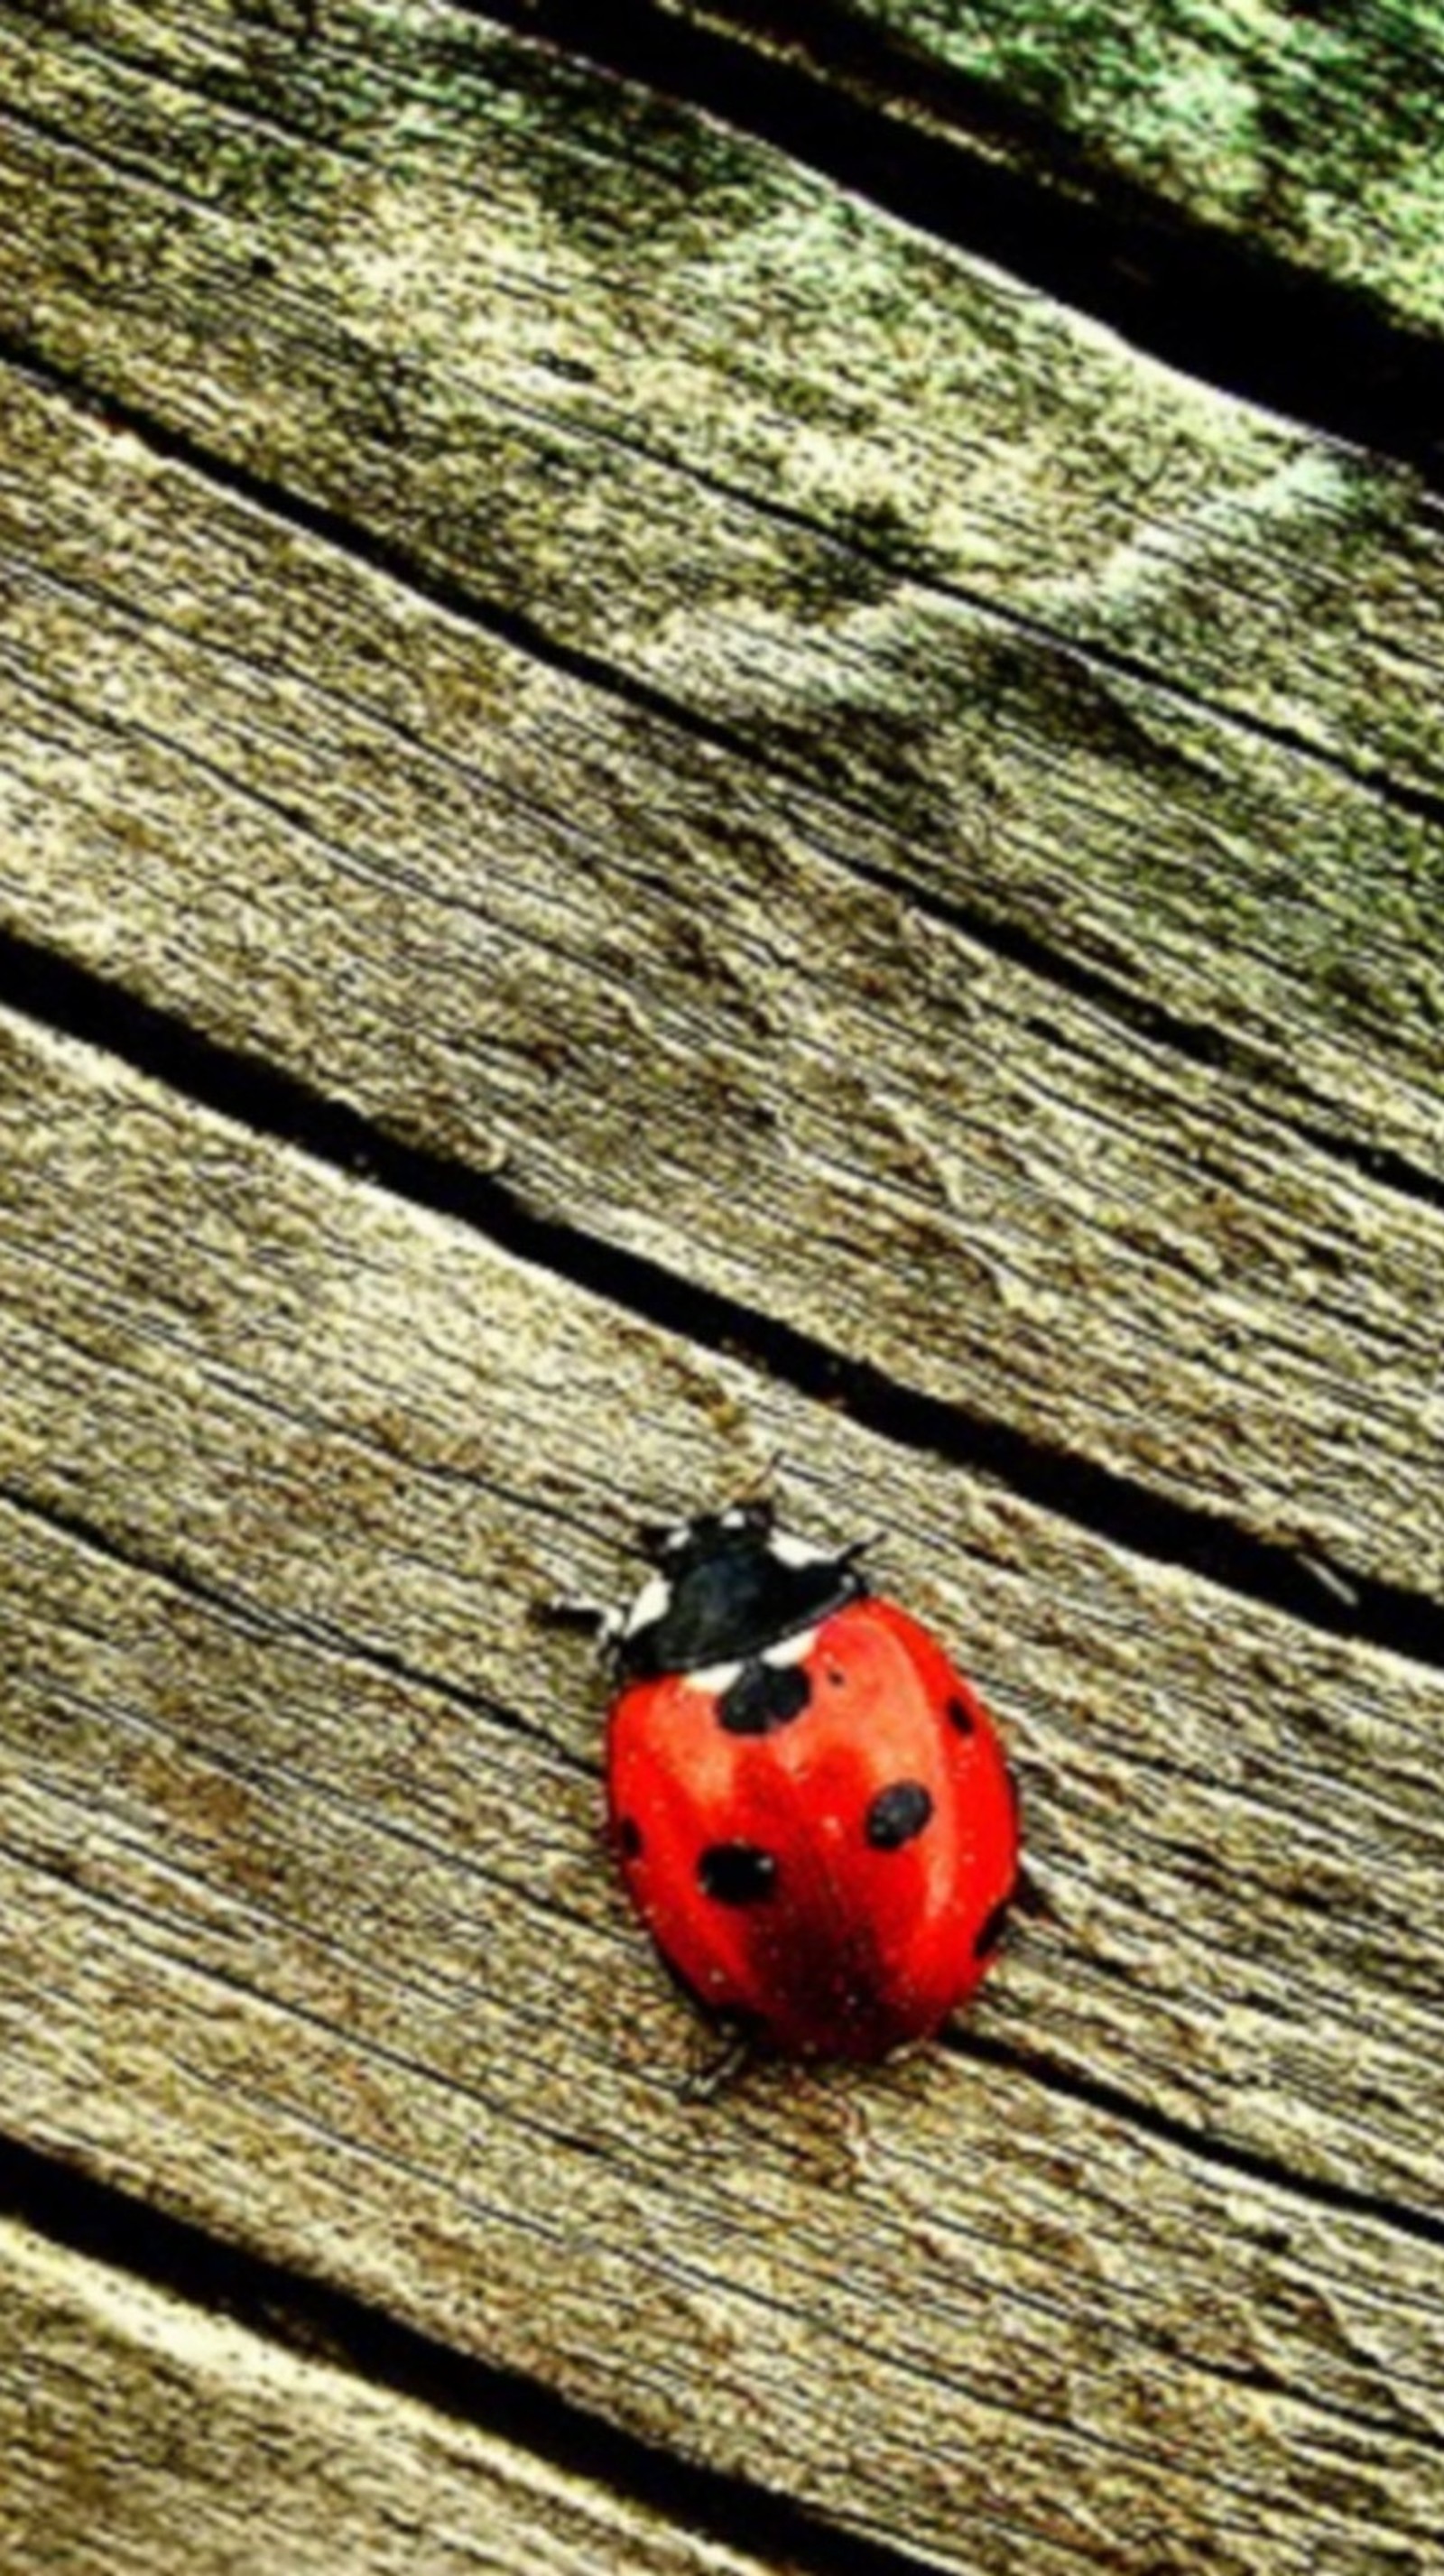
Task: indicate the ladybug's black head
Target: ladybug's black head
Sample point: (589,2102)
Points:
(725,1587)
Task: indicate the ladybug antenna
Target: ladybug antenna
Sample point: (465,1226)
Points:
(764,1484)
(859,1547)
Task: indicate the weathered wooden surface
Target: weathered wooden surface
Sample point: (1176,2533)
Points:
(593,362)
(1317,135)
(143,2433)
(1119,990)
(893,850)
(306,1937)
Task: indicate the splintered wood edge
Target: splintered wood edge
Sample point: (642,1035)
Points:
(142,2430)
(306,1935)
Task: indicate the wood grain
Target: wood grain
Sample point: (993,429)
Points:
(306,1934)
(689,1010)
(1004,1019)
(783,770)
(604,366)
(144,2433)
(1317,137)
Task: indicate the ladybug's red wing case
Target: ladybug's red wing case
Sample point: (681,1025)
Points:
(821,1835)
(939,1818)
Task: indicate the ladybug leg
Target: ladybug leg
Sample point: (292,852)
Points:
(725,2067)
(603,1625)
(1030,1897)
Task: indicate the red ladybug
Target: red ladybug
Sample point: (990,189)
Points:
(811,1808)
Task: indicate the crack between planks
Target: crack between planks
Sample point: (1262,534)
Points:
(396,562)
(919,139)
(105,2223)
(277,1104)
(1200,1042)
(324,2325)
(253,1619)
(1092,653)
(1146,1017)
(380,554)
(1111,2101)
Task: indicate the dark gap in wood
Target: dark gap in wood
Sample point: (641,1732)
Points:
(1207,2144)
(1220,308)
(103,2223)
(88,1534)
(320,1634)
(277,1104)
(439,588)
(760,750)
(1086,652)
(1201,1042)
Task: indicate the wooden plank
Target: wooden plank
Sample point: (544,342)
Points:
(142,2432)
(1318,136)
(603,366)
(306,1936)
(698,1013)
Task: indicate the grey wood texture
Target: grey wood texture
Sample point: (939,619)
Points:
(308,1936)
(1316,135)
(143,2433)
(646,820)
(1128,1035)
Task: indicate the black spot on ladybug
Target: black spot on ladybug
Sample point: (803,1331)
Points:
(764,1697)
(736,1873)
(629,1838)
(961,1716)
(897,1814)
(990,1931)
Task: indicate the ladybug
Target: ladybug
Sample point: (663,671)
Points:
(810,1807)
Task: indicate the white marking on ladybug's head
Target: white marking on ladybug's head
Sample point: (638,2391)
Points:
(791,1550)
(715,1678)
(791,1650)
(736,1516)
(650,1605)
